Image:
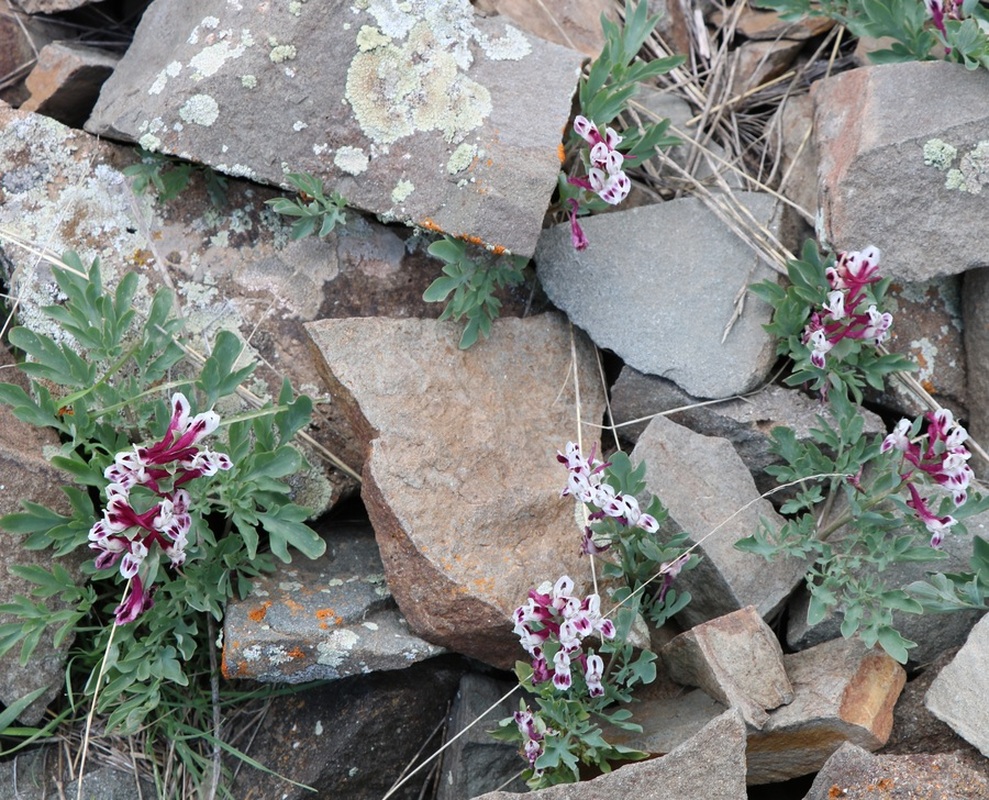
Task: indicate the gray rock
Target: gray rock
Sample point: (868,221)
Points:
(959,694)
(746,422)
(461,482)
(322,619)
(975,312)
(66,81)
(43,773)
(799,154)
(710,494)
(736,659)
(658,286)
(410,110)
(875,187)
(860,775)
(711,764)
(353,738)
(476,763)
(842,692)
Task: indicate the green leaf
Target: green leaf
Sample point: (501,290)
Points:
(439,289)
(895,644)
(287,529)
(13,710)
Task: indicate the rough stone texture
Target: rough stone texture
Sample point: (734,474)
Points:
(233,268)
(409,110)
(322,619)
(927,329)
(799,154)
(874,185)
(66,81)
(959,694)
(21,37)
(26,475)
(842,692)
(746,422)
(51,6)
(758,62)
(763,25)
(856,774)
(571,23)
(461,480)
(711,764)
(352,738)
(709,493)
(975,313)
(673,271)
(736,659)
(476,763)
(933,633)
(669,716)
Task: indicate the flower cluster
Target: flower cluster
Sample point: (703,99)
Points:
(941,9)
(605,176)
(943,459)
(126,535)
(842,316)
(553,623)
(584,482)
(533,731)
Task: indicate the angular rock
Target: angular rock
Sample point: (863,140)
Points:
(476,763)
(461,480)
(66,81)
(352,738)
(960,692)
(799,154)
(673,272)
(51,6)
(669,716)
(842,693)
(736,659)
(762,25)
(856,774)
(758,62)
(710,494)
(571,23)
(975,313)
(927,329)
(875,187)
(409,110)
(746,422)
(26,475)
(21,37)
(711,764)
(318,620)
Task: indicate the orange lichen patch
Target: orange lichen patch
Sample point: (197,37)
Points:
(295,652)
(230,672)
(325,614)
(429,225)
(929,387)
(835,792)
(259,613)
(141,258)
(498,250)
(561,152)
(489,163)
(475,240)
(293,605)
(157,236)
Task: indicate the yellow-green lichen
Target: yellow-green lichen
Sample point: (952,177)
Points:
(295,8)
(200,109)
(282,52)
(369,37)
(401,191)
(972,172)
(938,153)
(399,89)
(249,81)
(210,60)
(461,158)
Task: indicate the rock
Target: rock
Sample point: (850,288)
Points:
(933,633)
(66,81)
(975,313)
(21,38)
(476,763)
(571,23)
(746,422)
(410,111)
(710,493)
(842,693)
(461,481)
(927,329)
(875,187)
(322,737)
(856,774)
(798,167)
(318,620)
(233,269)
(711,764)
(673,273)
(736,659)
(51,6)
(758,62)
(26,475)
(958,694)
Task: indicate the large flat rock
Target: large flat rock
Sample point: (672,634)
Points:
(418,111)
(461,481)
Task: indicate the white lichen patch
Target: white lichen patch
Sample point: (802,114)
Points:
(290,586)
(397,90)
(402,191)
(972,172)
(336,648)
(295,8)
(371,626)
(369,37)
(511,46)
(249,81)
(318,729)
(149,142)
(939,154)
(461,158)
(352,160)
(170,71)
(210,60)
(299,125)
(319,149)
(200,109)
